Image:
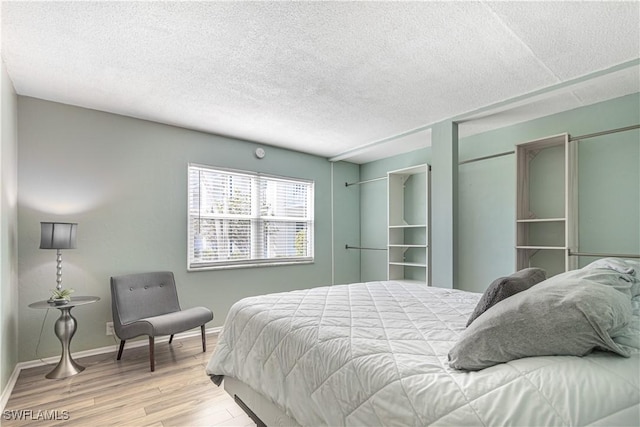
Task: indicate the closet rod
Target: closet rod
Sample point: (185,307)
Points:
(604,132)
(347,184)
(573,138)
(367,249)
(477,159)
(603,255)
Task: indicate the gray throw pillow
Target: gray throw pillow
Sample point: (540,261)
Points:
(555,317)
(504,287)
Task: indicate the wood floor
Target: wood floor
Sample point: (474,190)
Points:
(126,393)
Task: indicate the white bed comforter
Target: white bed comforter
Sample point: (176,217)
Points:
(376,354)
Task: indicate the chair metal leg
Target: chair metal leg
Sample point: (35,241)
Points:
(152,359)
(170,339)
(120,349)
(204,339)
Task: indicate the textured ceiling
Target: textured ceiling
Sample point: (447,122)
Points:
(325,78)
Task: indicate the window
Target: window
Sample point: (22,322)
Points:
(240,219)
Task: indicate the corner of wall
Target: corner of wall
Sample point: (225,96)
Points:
(9,229)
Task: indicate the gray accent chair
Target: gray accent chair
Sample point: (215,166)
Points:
(147,304)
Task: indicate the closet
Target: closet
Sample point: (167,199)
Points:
(546,199)
(408,256)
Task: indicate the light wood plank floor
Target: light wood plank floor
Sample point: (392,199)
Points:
(126,393)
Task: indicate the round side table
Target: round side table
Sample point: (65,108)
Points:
(64,328)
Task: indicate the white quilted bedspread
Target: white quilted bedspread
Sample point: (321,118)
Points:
(375,353)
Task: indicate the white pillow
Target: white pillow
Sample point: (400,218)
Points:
(627,268)
(630,336)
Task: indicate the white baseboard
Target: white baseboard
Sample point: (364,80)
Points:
(6,393)
(4,398)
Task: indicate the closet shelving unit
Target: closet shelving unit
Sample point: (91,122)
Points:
(408,224)
(546,226)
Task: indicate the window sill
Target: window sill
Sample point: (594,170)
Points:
(248,265)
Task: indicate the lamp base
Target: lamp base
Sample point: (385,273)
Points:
(59,271)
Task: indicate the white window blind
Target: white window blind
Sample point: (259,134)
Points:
(239,219)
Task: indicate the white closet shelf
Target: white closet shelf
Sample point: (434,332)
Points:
(564,248)
(408,264)
(542,220)
(401,245)
(408,226)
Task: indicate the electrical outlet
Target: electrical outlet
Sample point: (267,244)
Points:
(110,328)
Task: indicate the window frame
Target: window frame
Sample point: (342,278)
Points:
(257,221)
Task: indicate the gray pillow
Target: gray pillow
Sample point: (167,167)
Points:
(504,287)
(569,317)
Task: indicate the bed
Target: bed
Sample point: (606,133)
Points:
(380,353)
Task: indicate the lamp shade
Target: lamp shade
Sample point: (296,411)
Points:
(58,235)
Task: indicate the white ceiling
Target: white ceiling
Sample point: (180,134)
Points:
(335,79)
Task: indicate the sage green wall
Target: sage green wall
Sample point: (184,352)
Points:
(609,192)
(124,181)
(346,230)
(609,188)
(8,230)
(444,204)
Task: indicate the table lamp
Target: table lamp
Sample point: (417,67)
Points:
(58,235)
